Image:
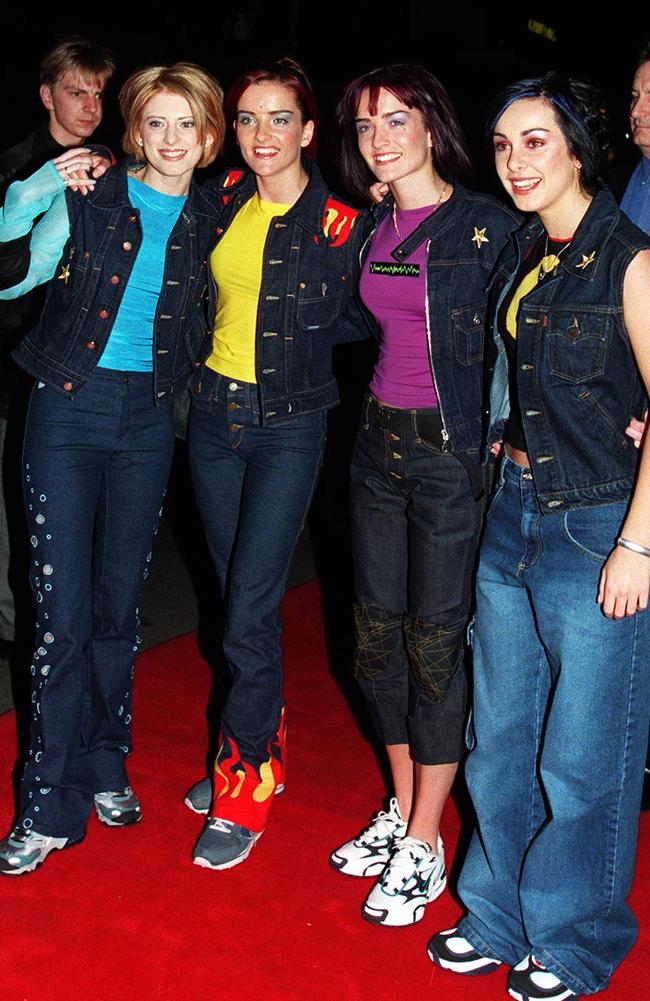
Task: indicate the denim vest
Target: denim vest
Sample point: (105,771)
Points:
(577,378)
(465,237)
(306,302)
(85,294)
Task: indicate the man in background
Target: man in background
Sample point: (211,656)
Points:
(73,78)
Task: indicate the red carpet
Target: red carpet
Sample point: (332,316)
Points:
(125,915)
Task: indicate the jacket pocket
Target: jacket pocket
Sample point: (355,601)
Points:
(317,306)
(469,333)
(577,344)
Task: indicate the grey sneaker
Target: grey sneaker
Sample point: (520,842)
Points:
(223,844)
(118,809)
(199,798)
(21,851)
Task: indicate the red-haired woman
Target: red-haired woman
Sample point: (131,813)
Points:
(416,479)
(282,276)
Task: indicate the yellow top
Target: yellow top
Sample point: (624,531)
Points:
(236,264)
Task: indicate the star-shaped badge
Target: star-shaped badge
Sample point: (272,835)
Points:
(479,237)
(65,273)
(587,260)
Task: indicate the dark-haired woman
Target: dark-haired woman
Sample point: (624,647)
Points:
(283,274)
(562,638)
(416,483)
(113,347)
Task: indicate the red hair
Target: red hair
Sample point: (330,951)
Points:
(290,74)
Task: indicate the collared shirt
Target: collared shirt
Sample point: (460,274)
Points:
(636,200)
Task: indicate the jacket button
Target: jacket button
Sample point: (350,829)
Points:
(197,364)
(91,345)
(302,285)
(219,230)
(133,218)
(115,279)
(67,386)
(103,314)
(127,246)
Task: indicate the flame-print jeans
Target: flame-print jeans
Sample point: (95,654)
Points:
(95,470)
(253,485)
(415,532)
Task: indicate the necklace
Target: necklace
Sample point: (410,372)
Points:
(396,227)
(549,262)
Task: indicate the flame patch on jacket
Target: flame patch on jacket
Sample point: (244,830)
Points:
(338,220)
(231,178)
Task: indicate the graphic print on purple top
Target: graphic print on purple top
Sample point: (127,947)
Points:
(395,294)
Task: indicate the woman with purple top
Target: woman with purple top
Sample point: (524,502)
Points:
(417,483)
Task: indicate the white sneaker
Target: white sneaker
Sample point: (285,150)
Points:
(413,878)
(368,853)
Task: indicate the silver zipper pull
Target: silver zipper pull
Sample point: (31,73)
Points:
(446,447)
(323,289)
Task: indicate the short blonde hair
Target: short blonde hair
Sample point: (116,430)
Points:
(201,91)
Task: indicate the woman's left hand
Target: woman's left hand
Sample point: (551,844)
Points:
(624,584)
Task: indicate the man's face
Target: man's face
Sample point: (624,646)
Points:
(640,108)
(75,106)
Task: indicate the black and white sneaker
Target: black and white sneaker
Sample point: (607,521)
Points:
(369,853)
(449,950)
(530,981)
(413,878)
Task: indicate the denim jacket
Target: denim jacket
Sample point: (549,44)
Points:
(306,304)
(86,289)
(577,378)
(465,237)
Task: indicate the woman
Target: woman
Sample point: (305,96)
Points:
(417,484)
(561,679)
(114,346)
(282,278)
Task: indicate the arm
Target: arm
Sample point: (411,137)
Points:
(42,194)
(625,577)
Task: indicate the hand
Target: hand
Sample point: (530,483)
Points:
(496,448)
(636,429)
(624,584)
(78,168)
(378,192)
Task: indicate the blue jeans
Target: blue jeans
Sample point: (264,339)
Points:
(253,486)
(560,725)
(415,534)
(95,471)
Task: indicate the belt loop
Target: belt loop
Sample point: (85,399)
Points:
(365,412)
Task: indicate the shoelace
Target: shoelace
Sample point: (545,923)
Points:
(383,826)
(217,824)
(19,837)
(402,865)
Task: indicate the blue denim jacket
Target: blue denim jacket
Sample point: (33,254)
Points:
(85,292)
(306,304)
(465,237)
(577,378)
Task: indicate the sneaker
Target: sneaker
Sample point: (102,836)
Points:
(199,798)
(530,981)
(370,851)
(21,851)
(223,844)
(118,809)
(413,878)
(451,951)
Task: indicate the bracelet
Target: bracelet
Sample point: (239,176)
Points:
(634,547)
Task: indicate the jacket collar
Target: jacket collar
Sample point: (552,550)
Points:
(582,259)
(308,211)
(434,225)
(112,192)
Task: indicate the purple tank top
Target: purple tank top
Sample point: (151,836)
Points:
(396,296)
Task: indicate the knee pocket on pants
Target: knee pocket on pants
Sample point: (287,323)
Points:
(376,633)
(434,655)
